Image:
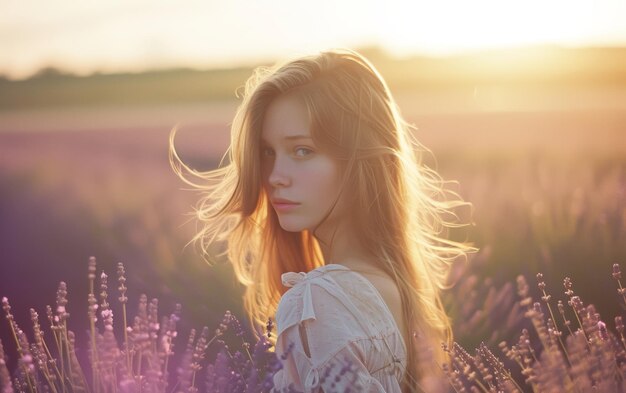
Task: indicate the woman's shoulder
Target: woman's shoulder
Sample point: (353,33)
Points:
(336,292)
(313,294)
(389,294)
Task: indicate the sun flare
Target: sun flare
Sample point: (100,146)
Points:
(447,26)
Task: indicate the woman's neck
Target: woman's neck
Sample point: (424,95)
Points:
(344,249)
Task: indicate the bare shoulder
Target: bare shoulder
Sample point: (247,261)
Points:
(388,290)
(386,287)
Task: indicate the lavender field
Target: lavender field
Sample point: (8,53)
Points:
(546,175)
(548,191)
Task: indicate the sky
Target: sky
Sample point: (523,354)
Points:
(90,36)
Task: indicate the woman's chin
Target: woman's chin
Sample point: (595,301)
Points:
(291,226)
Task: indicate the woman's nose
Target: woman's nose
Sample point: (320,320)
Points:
(279,175)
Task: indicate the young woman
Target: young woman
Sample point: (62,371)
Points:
(334,226)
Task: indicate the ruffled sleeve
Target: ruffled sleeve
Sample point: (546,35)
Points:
(342,370)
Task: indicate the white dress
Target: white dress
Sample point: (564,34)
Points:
(346,321)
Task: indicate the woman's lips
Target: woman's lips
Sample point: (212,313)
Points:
(285,206)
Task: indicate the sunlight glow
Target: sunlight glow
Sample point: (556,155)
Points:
(445,27)
(121,35)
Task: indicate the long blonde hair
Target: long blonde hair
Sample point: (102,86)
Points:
(399,204)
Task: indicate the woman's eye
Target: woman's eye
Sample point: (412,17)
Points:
(303,151)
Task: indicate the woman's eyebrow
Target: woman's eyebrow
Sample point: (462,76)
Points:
(291,137)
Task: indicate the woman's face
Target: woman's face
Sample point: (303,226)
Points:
(295,169)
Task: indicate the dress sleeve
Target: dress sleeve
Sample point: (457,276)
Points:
(323,352)
(343,371)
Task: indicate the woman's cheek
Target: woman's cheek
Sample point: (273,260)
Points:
(317,179)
